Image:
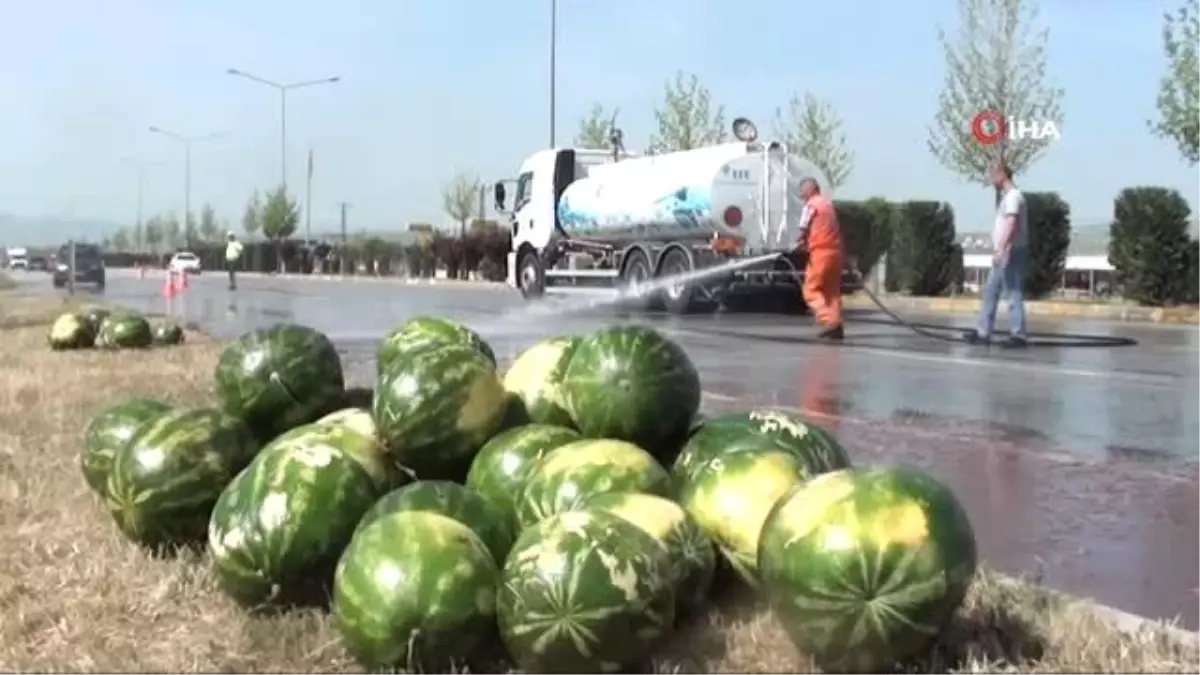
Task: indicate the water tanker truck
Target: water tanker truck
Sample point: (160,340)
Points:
(599,220)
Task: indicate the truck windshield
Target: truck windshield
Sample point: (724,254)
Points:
(524,190)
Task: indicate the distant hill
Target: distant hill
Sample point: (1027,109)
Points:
(40,231)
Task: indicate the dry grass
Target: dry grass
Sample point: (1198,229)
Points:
(74,596)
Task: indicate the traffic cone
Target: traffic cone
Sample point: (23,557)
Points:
(183,280)
(169,289)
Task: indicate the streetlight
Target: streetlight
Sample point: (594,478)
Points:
(140,167)
(553,45)
(186,141)
(283,89)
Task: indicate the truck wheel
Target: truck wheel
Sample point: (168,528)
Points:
(531,276)
(678,298)
(634,274)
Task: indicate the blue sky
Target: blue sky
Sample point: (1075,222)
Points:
(429,87)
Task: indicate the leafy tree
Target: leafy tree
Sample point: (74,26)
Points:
(171,231)
(866,230)
(120,241)
(210,231)
(137,237)
(1149,246)
(813,130)
(1179,93)
(1049,238)
(460,199)
(596,130)
(153,233)
(250,223)
(997,65)
(687,118)
(922,256)
(278,219)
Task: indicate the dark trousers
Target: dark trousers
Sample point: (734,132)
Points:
(232,275)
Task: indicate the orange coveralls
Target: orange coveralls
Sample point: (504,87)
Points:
(823,277)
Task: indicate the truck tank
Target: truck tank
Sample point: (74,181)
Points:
(691,195)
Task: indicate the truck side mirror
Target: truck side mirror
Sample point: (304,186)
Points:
(499,195)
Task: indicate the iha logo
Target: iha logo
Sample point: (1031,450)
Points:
(989,128)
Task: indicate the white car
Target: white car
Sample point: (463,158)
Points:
(186,262)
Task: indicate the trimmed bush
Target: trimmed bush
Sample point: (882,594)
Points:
(866,230)
(1049,239)
(921,259)
(1149,246)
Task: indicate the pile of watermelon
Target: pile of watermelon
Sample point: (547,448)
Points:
(571,511)
(98,327)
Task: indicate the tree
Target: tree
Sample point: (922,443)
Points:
(120,241)
(687,119)
(278,219)
(209,230)
(460,199)
(250,216)
(998,66)
(153,233)
(1179,93)
(190,237)
(137,237)
(596,130)
(922,259)
(1149,246)
(813,130)
(1049,238)
(170,230)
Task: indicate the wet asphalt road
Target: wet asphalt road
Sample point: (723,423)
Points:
(1077,465)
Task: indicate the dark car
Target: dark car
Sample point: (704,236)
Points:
(89,265)
(38,264)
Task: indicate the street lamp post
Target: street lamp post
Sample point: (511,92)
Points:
(553,62)
(283,89)
(140,167)
(187,142)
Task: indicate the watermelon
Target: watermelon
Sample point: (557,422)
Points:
(168,334)
(426,332)
(453,501)
(278,529)
(535,379)
(499,470)
(416,589)
(585,592)
(164,482)
(434,409)
(95,316)
(632,383)
(730,496)
(279,378)
(111,430)
(864,567)
(70,331)
(690,552)
(124,331)
(763,429)
(567,475)
(358,419)
(357,445)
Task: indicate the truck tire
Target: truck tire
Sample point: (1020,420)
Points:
(677,299)
(531,275)
(636,270)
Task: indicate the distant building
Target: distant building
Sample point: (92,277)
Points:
(1087,270)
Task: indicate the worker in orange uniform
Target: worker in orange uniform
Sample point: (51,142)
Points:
(821,237)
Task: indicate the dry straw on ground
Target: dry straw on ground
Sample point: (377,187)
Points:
(74,596)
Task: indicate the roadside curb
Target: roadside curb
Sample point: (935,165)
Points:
(1111,312)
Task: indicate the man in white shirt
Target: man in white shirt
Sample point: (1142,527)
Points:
(233,256)
(1010,263)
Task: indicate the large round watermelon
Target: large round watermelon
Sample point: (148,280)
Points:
(453,501)
(434,409)
(569,474)
(425,332)
(358,446)
(535,379)
(70,331)
(692,558)
(110,431)
(730,496)
(585,592)
(124,331)
(358,419)
(761,429)
(279,378)
(164,482)
(864,567)
(417,590)
(634,384)
(499,471)
(278,529)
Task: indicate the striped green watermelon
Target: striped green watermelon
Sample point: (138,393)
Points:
(453,501)
(164,482)
(569,474)
(730,496)
(425,332)
(864,567)
(585,592)
(417,590)
(168,334)
(278,529)
(279,378)
(634,384)
(761,429)
(111,430)
(124,331)
(435,409)
(535,378)
(358,419)
(499,471)
(360,447)
(692,558)
(95,316)
(70,331)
